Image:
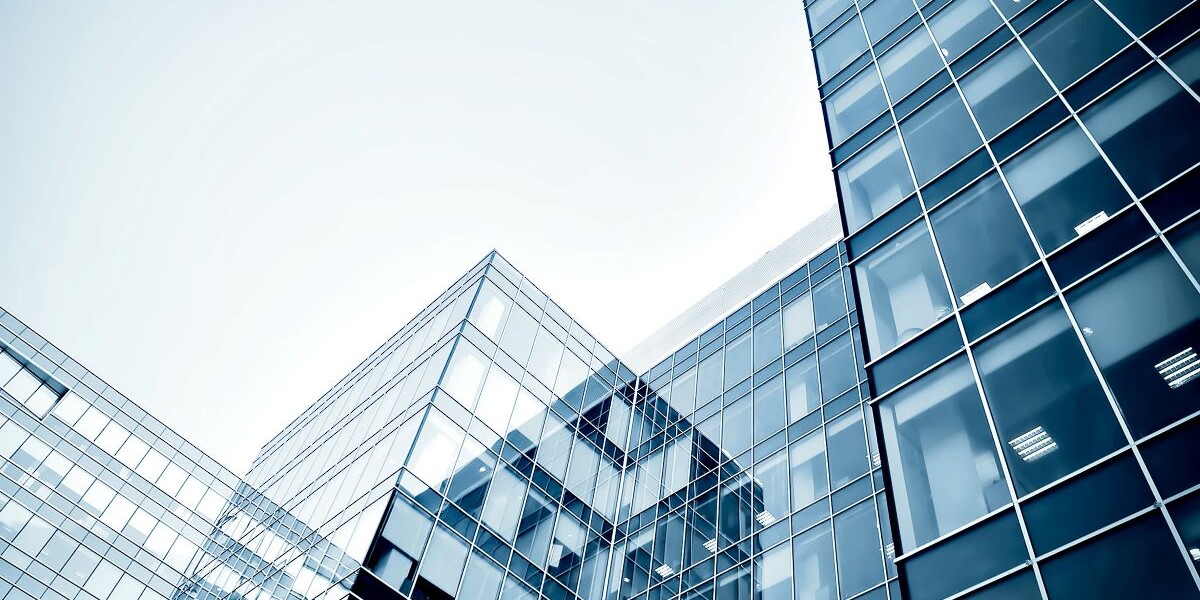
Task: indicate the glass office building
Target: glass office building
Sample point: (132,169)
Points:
(1018,181)
(985,386)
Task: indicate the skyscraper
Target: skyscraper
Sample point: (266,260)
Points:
(974,379)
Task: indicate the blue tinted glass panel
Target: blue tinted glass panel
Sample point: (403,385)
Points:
(938,135)
(840,49)
(1073,40)
(909,63)
(874,180)
(854,105)
(901,288)
(963,24)
(1004,88)
(983,551)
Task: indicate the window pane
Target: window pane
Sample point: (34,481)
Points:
(840,49)
(772,476)
(775,574)
(860,564)
(433,454)
(837,367)
(737,427)
(939,134)
(737,360)
(1135,559)
(902,289)
(503,506)
(983,551)
(855,104)
(797,321)
(961,25)
(804,396)
(1140,16)
(909,64)
(1004,88)
(982,239)
(444,560)
(874,180)
(809,477)
(1186,514)
(1061,182)
(883,17)
(941,460)
(847,449)
(1073,40)
(1185,61)
(708,380)
(1146,353)
(829,301)
(1049,408)
(768,342)
(770,412)
(1151,107)
(1084,504)
(822,12)
(812,564)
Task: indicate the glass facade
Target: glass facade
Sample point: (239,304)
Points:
(987,389)
(1026,268)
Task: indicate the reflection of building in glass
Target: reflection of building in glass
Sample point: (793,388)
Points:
(1017,307)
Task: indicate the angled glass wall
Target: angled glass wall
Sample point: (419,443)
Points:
(1022,215)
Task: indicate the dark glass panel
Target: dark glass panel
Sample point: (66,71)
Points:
(939,134)
(1138,560)
(1022,586)
(1140,15)
(854,105)
(982,239)
(840,49)
(1141,319)
(963,24)
(882,16)
(1049,408)
(1078,507)
(1171,459)
(874,180)
(858,549)
(901,288)
(847,448)
(1073,40)
(1004,88)
(909,63)
(983,551)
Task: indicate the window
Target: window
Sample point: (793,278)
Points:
(433,454)
(1120,564)
(1049,408)
(829,301)
(1141,16)
(822,12)
(939,134)
(854,105)
(812,564)
(797,321)
(840,49)
(809,476)
(1061,183)
(982,239)
(770,411)
(767,342)
(902,289)
(1152,106)
(1004,88)
(883,17)
(803,393)
(737,360)
(859,557)
(1147,353)
(942,461)
(838,372)
(963,24)
(708,378)
(1073,40)
(737,427)
(775,574)
(490,310)
(874,180)
(502,509)
(1086,503)
(847,448)
(772,476)
(909,64)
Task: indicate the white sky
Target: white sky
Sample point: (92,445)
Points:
(222,207)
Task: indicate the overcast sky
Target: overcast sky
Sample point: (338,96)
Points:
(222,207)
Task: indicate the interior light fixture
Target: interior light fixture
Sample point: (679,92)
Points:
(1195,552)
(765,518)
(711,545)
(664,571)
(1033,444)
(1179,368)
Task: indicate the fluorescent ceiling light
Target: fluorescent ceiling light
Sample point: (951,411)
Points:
(1033,444)
(1180,368)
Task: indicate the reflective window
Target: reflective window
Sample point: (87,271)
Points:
(902,289)
(874,180)
(433,454)
(963,24)
(1073,40)
(812,564)
(883,17)
(837,367)
(737,427)
(1147,355)
(982,239)
(519,332)
(1186,514)
(840,49)
(909,64)
(942,463)
(854,105)
(483,582)
(444,561)
(1049,408)
(858,551)
(822,12)
(847,448)
(983,551)
(1119,565)
(829,301)
(708,378)
(1004,88)
(770,411)
(775,574)
(1141,16)
(939,134)
(1151,107)
(809,477)
(803,393)
(737,360)
(772,476)
(767,342)
(797,321)
(490,310)
(1084,504)
(1185,61)
(1061,183)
